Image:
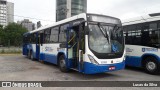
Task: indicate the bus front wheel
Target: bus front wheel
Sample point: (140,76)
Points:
(151,65)
(62,64)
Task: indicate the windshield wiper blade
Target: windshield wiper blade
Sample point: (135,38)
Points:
(104,31)
(115,28)
(107,36)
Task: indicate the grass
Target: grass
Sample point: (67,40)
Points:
(10,50)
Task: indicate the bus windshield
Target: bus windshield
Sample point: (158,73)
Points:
(106,38)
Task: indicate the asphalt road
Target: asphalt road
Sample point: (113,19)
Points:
(20,68)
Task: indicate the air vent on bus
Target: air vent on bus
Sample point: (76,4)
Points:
(154,14)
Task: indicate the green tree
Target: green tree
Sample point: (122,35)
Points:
(1,34)
(13,35)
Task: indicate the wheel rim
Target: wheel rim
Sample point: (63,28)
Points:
(62,63)
(151,66)
(31,56)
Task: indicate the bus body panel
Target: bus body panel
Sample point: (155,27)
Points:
(103,61)
(133,61)
(49,52)
(136,53)
(142,39)
(141,19)
(104,64)
(90,68)
(24,50)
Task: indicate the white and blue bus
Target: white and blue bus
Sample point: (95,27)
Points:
(142,37)
(87,43)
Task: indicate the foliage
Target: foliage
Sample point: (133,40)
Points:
(12,35)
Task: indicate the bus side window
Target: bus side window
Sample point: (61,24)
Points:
(159,33)
(138,36)
(41,38)
(62,35)
(47,36)
(145,35)
(54,35)
(153,31)
(32,38)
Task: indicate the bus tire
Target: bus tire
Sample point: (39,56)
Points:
(31,55)
(151,66)
(28,54)
(62,64)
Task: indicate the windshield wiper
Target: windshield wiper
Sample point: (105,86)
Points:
(104,31)
(116,28)
(107,36)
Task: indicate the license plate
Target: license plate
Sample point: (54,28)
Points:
(112,68)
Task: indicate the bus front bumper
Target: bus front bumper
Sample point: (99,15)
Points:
(90,68)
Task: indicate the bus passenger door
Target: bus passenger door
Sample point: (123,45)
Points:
(72,47)
(81,41)
(41,40)
(38,46)
(75,47)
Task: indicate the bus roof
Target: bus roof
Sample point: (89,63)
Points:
(142,19)
(83,15)
(80,16)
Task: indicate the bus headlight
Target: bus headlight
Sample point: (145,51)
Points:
(93,60)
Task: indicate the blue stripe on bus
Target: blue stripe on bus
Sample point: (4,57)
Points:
(41,56)
(90,68)
(150,54)
(136,61)
(49,58)
(37,52)
(25,49)
(133,61)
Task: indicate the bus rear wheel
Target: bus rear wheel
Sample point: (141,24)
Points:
(62,64)
(32,58)
(151,66)
(30,55)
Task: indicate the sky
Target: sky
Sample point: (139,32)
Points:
(44,10)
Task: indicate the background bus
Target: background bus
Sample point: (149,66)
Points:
(87,43)
(142,37)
